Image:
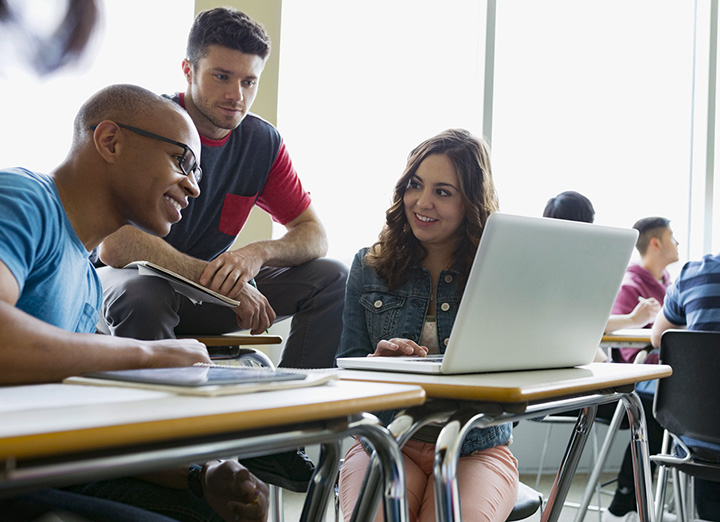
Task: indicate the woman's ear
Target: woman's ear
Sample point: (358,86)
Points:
(107,140)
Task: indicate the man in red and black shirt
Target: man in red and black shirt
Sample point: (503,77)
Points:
(244,163)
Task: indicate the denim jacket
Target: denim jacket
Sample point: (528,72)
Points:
(373,313)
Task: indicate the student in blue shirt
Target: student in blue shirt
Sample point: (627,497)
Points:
(692,302)
(134,160)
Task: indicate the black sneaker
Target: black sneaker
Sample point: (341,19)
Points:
(291,470)
(623,502)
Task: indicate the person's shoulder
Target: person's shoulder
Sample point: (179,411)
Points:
(260,126)
(359,259)
(709,264)
(26,180)
(636,268)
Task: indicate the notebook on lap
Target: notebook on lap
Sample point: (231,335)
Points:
(538,296)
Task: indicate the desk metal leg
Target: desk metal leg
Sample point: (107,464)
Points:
(600,464)
(386,462)
(322,483)
(640,457)
(447,452)
(564,476)
(402,428)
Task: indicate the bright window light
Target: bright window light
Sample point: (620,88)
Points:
(589,96)
(139,42)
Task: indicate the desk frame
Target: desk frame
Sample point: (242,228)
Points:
(78,436)
(462,416)
(16,477)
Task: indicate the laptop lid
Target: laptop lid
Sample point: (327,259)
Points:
(538,296)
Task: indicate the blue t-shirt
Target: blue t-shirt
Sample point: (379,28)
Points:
(57,282)
(694,299)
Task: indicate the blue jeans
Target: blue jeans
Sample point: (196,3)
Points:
(177,504)
(32,506)
(312,294)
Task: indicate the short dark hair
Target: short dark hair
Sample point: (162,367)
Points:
(649,228)
(129,104)
(570,205)
(227,27)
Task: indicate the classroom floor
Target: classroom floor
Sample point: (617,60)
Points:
(293,501)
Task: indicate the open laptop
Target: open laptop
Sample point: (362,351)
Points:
(538,296)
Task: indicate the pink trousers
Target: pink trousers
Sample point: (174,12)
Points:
(487,482)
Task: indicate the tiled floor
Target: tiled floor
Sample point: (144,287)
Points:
(293,501)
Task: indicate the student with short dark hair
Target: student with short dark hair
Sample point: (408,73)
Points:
(570,205)
(134,160)
(692,302)
(638,302)
(642,290)
(245,164)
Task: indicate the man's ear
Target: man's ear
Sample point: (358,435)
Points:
(107,140)
(187,70)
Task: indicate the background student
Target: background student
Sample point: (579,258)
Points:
(402,297)
(570,205)
(641,295)
(629,311)
(691,302)
(133,161)
(643,288)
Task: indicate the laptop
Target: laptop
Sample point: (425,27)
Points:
(538,296)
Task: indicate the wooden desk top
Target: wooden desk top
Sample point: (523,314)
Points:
(240,339)
(55,419)
(634,335)
(520,387)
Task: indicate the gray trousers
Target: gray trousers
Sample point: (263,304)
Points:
(148,308)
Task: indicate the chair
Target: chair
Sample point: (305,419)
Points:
(235,346)
(686,406)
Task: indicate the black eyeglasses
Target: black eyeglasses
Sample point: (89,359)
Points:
(187,162)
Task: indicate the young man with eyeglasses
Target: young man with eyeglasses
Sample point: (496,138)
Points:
(133,161)
(245,164)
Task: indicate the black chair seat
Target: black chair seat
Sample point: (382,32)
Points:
(527,503)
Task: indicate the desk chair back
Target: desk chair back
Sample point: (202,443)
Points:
(686,405)
(687,402)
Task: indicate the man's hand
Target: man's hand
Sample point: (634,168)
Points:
(645,311)
(254,313)
(234,493)
(398,346)
(228,272)
(169,353)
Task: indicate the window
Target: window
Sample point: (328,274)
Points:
(591,96)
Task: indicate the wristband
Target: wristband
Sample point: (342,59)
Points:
(194,479)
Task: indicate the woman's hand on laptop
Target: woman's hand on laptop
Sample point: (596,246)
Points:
(398,346)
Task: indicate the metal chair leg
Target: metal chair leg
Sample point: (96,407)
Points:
(275,494)
(600,462)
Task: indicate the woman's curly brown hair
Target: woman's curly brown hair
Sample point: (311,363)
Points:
(397,248)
